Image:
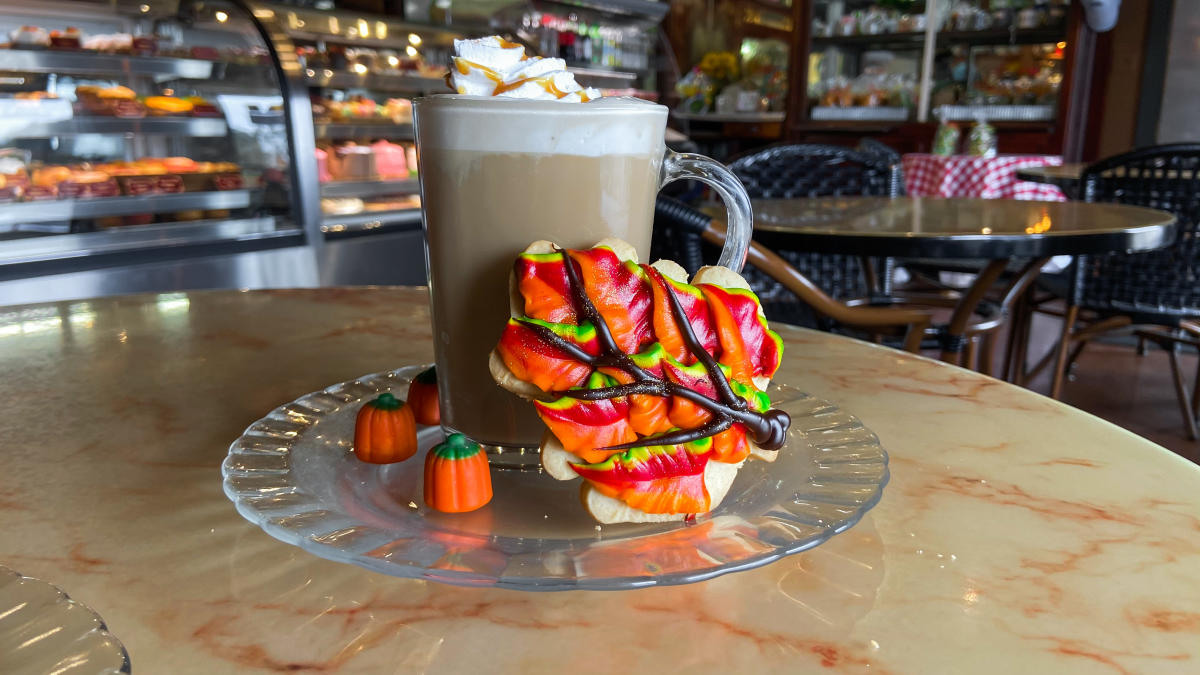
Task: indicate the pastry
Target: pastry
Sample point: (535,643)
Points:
(651,388)
(166,105)
(116,93)
(179,165)
(88,185)
(50,175)
(398,110)
(116,101)
(108,42)
(346,206)
(202,107)
(29,36)
(70,38)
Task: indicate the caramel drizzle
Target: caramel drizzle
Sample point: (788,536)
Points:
(769,429)
(546,82)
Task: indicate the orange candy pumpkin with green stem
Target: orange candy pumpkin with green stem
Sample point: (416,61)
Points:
(457,476)
(423,398)
(385,431)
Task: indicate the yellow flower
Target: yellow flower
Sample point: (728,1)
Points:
(720,66)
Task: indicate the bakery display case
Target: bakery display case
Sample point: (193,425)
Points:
(358,74)
(127,137)
(892,68)
(350,78)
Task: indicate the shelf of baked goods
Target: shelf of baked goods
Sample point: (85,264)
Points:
(107,110)
(360,117)
(32,49)
(377,182)
(41,193)
(355,118)
(101,207)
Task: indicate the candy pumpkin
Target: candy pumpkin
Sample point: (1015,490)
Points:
(457,476)
(423,398)
(385,431)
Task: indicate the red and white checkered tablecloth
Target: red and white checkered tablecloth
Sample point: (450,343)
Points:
(966,176)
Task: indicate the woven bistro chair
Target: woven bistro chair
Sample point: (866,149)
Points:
(1157,288)
(679,230)
(795,171)
(870,146)
(1188,334)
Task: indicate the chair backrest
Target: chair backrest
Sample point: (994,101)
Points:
(870,146)
(1156,286)
(786,171)
(811,170)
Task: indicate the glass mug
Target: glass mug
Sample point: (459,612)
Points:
(499,174)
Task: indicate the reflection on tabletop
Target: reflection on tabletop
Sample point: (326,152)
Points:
(918,216)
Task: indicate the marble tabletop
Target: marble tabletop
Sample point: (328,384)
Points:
(1016,535)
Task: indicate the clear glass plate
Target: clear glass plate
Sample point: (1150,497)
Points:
(44,631)
(293,474)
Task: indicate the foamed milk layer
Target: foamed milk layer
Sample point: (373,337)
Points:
(607,126)
(492,66)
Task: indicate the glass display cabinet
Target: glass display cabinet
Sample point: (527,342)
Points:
(128,137)
(350,78)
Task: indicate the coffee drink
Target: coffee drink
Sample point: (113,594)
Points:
(524,153)
(497,175)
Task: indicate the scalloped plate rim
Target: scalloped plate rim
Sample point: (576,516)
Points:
(258,517)
(65,598)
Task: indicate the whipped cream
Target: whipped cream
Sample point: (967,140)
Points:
(493,66)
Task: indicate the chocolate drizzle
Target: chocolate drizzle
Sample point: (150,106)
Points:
(769,429)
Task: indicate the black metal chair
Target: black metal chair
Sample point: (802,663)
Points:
(1158,288)
(794,171)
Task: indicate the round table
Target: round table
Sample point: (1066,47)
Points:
(1016,534)
(994,230)
(961,228)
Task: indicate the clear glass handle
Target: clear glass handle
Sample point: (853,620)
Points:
(739,223)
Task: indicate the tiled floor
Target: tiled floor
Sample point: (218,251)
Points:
(1136,392)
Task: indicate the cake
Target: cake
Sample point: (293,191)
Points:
(390,160)
(71,38)
(352,162)
(29,36)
